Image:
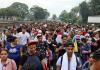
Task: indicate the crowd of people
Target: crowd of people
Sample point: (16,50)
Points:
(50,45)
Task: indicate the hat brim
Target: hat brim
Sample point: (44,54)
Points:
(32,43)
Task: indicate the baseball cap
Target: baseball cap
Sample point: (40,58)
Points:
(32,43)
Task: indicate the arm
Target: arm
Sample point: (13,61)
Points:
(21,51)
(58,68)
(79,64)
(14,66)
(54,45)
(21,62)
(57,49)
(58,64)
(87,51)
(20,67)
(28,37)
(78,68)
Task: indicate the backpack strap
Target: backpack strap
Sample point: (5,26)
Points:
(61,60)
(12,64)
(77,61)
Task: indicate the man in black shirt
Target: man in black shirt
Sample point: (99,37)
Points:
(41,48)
(30,61)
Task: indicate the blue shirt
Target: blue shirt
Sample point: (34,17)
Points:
(13,52)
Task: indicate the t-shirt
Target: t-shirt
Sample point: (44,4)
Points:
(23,37)
(4,37)
(13,52)
(85,47)
(8,65)
(58,39)
(41,50)
(35,62)
(59,62)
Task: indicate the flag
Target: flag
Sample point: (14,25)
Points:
(75,46)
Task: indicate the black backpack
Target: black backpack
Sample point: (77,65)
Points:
(32,63)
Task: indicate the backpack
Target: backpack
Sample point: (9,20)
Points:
(32,63)
(12,64)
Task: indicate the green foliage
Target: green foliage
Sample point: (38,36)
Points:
(75,10)
(17,9)
(54,17)
(70,17)
(8,12)
(91,8)
(95,7)
(38,13)
(63,16)
(21,8)
(84,11)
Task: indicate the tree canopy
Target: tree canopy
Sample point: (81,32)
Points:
(84,11)
(94,6)
(21,8)
(70,17)
(21,11)
(38,13)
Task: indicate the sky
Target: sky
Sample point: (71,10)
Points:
(53,6)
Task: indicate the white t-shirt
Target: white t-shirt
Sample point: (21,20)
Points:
(58,39)
(4,37)
(43,38)
(23,38)
(79,64)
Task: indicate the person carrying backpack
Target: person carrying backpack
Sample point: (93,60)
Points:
(5,62)
(30,61)
(69,61)
(85,50)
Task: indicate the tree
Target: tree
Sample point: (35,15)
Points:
(21,8)
(84,11)
(79,19)
(70,17)
(3,12)
(11,12)
(18,10)
(95,7)
(38,13)
(75,10)
(63,16)
(6,13)
(54,17)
